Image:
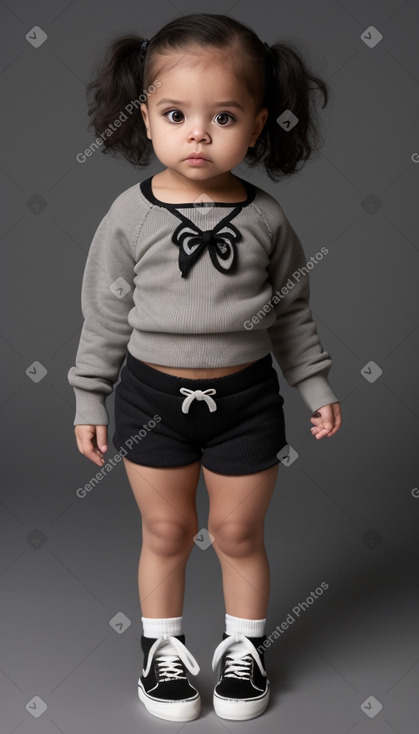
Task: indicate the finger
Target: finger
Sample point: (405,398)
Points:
(328,425)
(322,433)
(96,460)
(337,425)
(322,430)
(317,427)
(86,445)
(90,452)
(337,421)
(102,438)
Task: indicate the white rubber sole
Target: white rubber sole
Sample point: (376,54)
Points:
(171,710)
(240,710)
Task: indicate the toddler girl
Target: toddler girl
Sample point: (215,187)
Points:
(195,275)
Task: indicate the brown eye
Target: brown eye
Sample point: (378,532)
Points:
(177,114)
(224,118)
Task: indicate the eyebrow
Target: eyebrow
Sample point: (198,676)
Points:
(227,103)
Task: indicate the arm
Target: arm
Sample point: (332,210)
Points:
(296,344)
(107,298)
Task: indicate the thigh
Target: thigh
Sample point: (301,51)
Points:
(165,495)
(241,500)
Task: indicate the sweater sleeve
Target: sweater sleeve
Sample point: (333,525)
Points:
(296,345)
(106,299)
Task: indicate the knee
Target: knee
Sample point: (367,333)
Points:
(169,538)
(236,539)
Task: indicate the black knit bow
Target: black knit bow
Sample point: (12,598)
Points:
(221,243)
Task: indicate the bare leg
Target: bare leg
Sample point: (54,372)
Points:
(238,506)
(167,502)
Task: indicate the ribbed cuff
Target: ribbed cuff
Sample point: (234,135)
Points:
(156,626)
(249,627)
(90,408)
(316,392)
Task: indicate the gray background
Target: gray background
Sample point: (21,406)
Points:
(345,512)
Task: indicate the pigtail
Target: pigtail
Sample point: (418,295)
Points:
(117,92)
(290,84)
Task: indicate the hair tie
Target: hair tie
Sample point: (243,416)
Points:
(143,48)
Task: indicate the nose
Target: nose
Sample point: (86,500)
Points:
(198,134)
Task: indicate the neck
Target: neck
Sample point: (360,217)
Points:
(225,182)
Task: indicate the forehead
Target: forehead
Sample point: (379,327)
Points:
(208,73)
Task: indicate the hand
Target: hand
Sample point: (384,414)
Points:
(327,420)
(92,441)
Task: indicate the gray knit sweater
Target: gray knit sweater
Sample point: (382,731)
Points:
(195,285)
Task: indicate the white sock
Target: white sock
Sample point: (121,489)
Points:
(154,627)
(249,627)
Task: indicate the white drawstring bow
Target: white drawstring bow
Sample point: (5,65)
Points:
(199,395)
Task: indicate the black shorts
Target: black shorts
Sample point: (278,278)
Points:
(232,424)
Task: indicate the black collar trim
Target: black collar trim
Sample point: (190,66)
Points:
(147,192)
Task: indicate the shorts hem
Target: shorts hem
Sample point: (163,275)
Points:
(238,471)
(160,466)
(136,460)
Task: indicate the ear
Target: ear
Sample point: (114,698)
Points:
(144,112)
(260,120)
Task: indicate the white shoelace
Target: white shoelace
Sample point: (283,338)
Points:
(238,659)
(238,668)
(168,664)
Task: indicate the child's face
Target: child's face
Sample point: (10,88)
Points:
(196,122)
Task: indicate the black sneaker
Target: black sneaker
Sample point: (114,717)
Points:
(242,691)
(163,686)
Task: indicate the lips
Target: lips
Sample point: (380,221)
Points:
(196,155)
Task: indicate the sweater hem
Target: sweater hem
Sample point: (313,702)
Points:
(202,351)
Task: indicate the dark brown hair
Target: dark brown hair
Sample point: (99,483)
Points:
(278,78)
